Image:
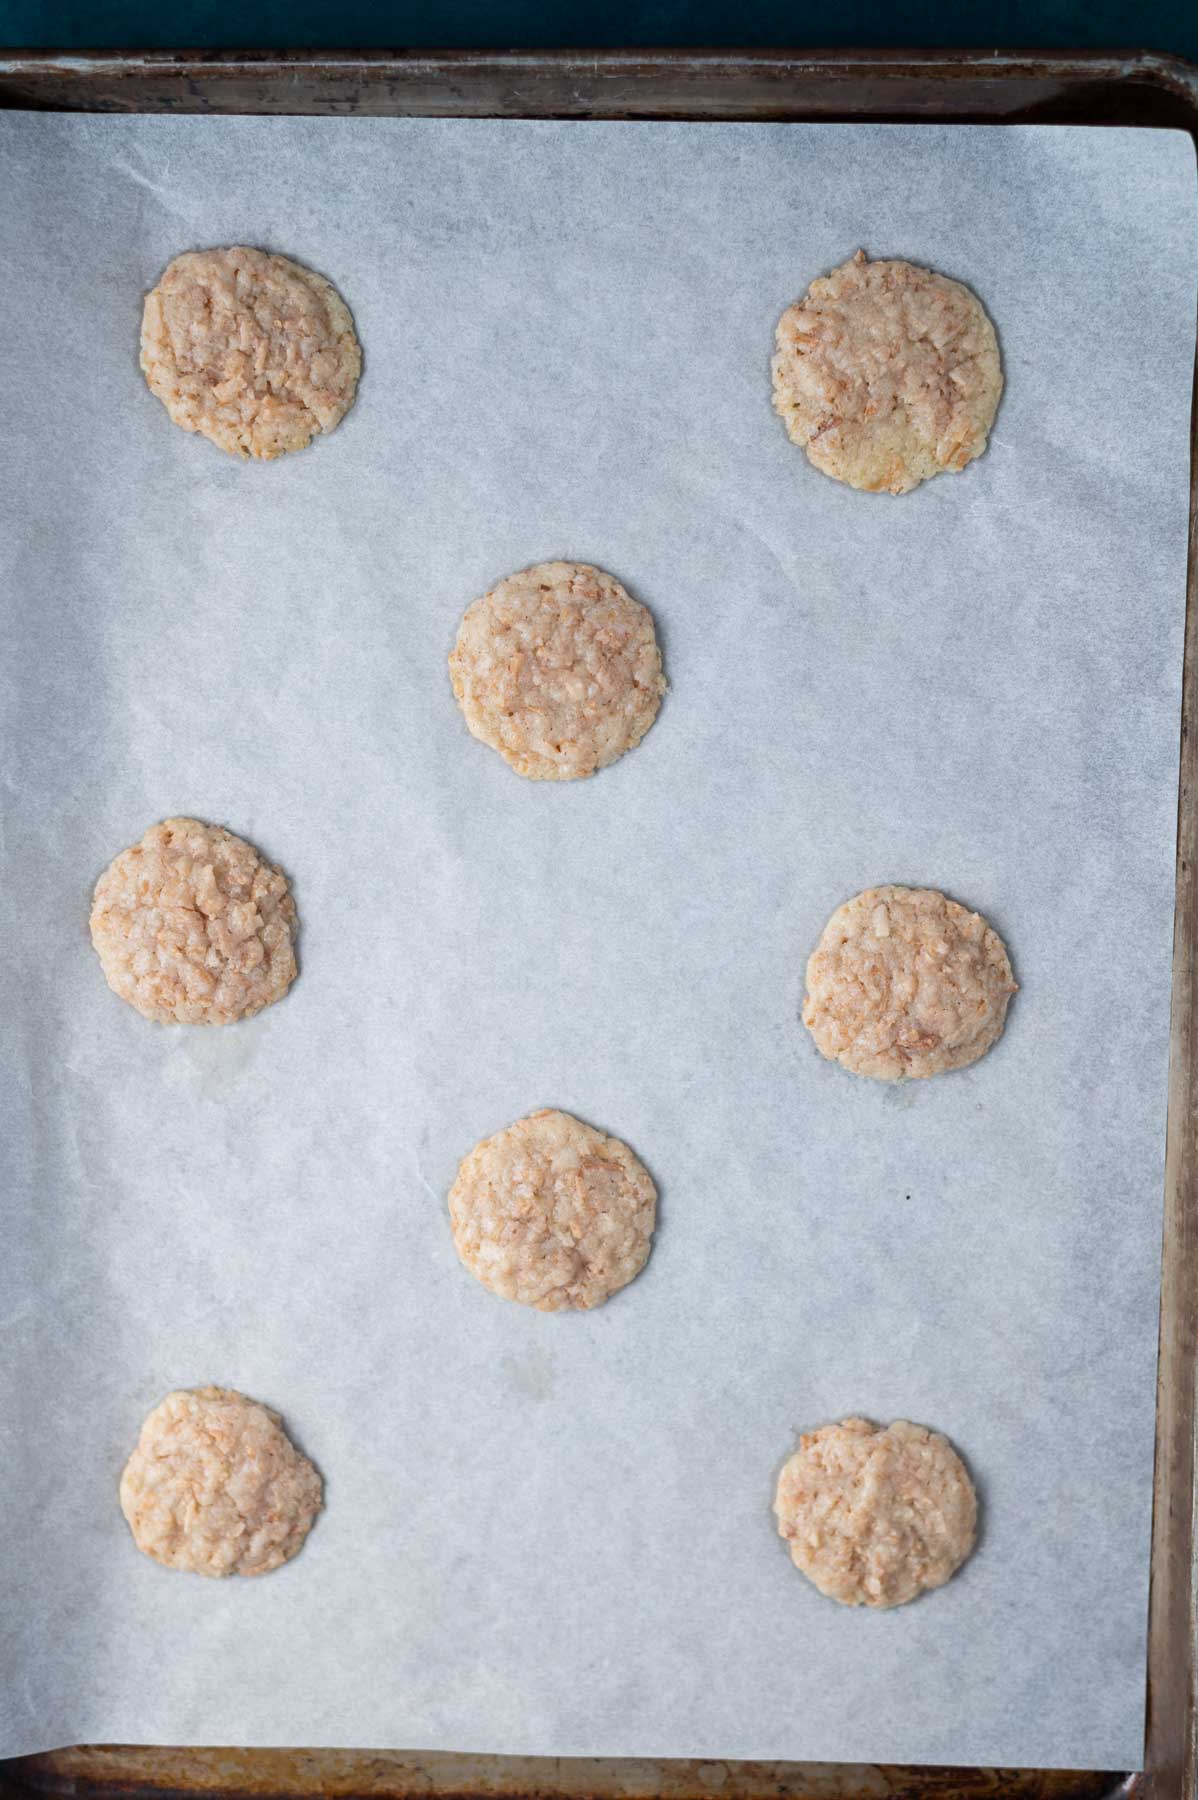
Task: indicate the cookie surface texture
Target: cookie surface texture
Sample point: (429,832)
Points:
(216,1487)
(192,926)
(904,984)
(875,1517)
(887,374)
(558,669)
(552,1213)
(253,351)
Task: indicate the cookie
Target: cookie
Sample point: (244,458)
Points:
(552,1213)
(252,351)
(876,1517)
(905,984)
(887,374)
(558,669)
(215,1486)
(192,926)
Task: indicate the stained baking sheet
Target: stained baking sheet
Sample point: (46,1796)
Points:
(552,1534)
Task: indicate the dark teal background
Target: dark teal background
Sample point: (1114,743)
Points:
(424,24)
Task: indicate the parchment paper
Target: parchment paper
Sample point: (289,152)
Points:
(553,1534)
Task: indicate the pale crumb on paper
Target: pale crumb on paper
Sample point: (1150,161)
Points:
(876,1517)
(253,351)
(887,374)
(552,1213)
(906,984)
(558,669)
(193,927)
(216,1487)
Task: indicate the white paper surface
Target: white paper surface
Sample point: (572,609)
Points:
(553,1534)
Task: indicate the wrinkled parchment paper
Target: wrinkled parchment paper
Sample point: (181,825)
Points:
(553,1534)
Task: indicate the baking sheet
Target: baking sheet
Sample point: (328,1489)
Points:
(553,1534)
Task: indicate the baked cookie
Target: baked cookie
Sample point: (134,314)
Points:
(251,350)
(552,1213)
(215,1486)
(887,374)
(192,926)
(558,669)
(904,983)
(874,1517)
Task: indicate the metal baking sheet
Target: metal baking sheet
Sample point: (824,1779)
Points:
(955,684)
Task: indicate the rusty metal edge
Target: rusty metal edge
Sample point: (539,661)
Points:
(116,1772)
(1171,1755)
(604,83)
(1116,62)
